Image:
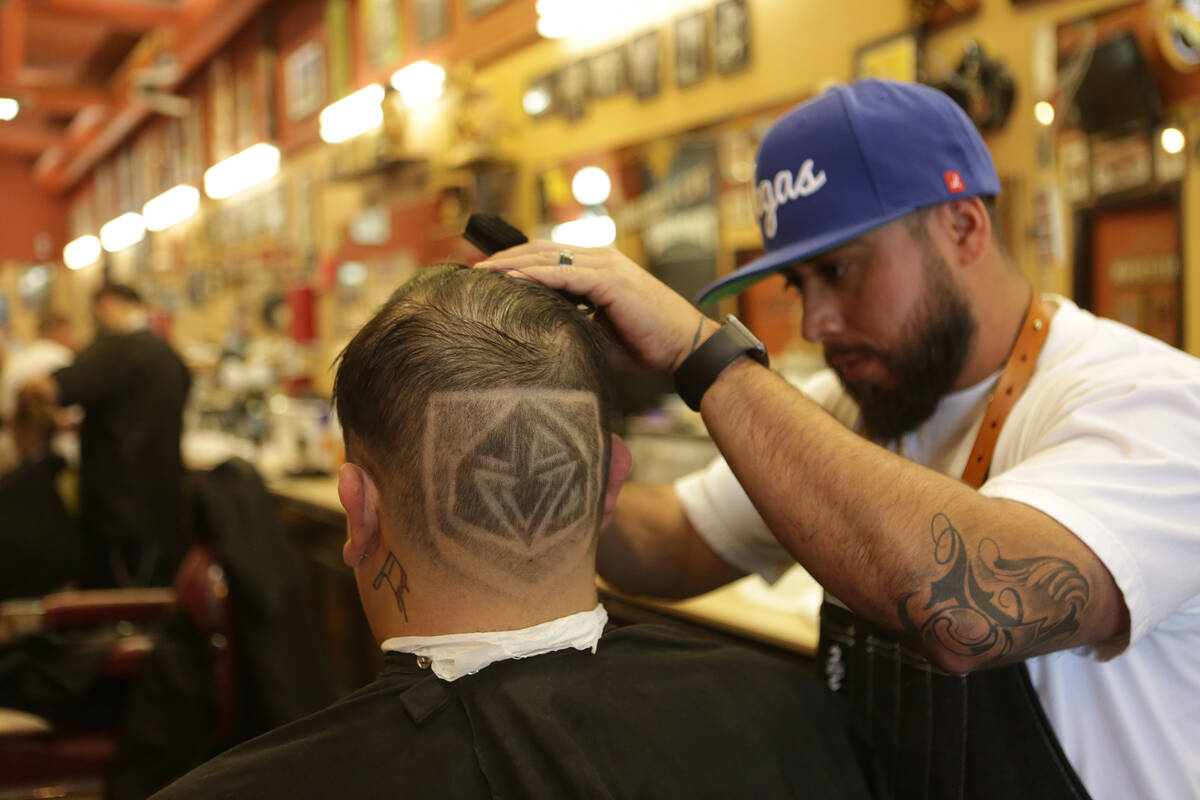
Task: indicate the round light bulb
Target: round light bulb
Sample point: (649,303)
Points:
(536,101)
(1044,112)
(591,186)
(1172,140)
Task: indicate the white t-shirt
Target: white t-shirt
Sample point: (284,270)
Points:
(1106,440)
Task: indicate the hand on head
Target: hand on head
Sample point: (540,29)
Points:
(654,326)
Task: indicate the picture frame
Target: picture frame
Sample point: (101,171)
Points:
(432,20)
(645,65)
(731,36)
(304,80)
(607,73)
(571,90)
(690,42)
(895,58)
(477,8)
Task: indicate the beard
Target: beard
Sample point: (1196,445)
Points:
(937,337)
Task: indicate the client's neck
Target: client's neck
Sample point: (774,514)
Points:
(405,594)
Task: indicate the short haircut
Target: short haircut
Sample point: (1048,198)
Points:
(120,291)
(480,405)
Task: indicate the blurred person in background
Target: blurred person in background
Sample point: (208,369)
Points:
(39,533)
(133,387)
(53,349)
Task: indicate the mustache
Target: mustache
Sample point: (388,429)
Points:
(835,351)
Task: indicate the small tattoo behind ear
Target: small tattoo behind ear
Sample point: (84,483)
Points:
(393,574)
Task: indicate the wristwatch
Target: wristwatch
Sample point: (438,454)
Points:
(701,368)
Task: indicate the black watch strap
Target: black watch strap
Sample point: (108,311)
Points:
(699,370)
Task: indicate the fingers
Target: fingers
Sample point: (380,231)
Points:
(546,254)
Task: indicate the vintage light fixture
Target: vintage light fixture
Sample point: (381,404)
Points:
(536,101)
(81,252)
(420,83)
(239,172)
(591,186)
(1172,140)
(124,231)
(1043,112)
(171,207)
(587,231)
(354,114)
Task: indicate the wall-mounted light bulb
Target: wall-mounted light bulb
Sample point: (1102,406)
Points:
(1172,140)
(171,207)
(420,83)
(81,252)
(239,172)
(124,231)
(352,115)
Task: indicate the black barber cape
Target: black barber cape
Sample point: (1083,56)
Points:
(653,714)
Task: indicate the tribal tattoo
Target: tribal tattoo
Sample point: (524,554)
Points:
(990,606)
(393,574)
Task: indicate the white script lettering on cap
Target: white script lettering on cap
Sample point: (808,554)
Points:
(779,192)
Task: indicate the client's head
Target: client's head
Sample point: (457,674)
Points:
(477,430)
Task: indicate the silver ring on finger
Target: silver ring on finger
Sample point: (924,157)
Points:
(565,258)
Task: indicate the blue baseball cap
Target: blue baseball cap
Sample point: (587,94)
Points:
(854,158)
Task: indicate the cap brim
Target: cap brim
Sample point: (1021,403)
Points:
(772,262)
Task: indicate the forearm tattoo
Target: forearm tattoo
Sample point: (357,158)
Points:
(512,476)
(987,606)
(393,574)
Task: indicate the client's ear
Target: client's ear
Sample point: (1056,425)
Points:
(620,462)
(360,497)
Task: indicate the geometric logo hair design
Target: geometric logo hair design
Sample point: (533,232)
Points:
(512,474)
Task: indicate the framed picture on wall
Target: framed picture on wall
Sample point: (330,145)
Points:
(477,8)
(691,38)
(895,58)
(433,20)
(304,80)
(644,65)
(606,73)
(379,22)
(731,36)
(572,90)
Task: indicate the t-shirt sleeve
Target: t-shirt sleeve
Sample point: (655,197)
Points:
(1118,464)
(727,521)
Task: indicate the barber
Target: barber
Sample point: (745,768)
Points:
(999,489)
(133,387)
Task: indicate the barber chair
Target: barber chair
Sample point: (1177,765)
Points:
(42,758)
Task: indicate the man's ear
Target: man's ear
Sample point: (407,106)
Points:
(970,228)
(360,497)
(620,462)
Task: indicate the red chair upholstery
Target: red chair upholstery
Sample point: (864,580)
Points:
(39,761)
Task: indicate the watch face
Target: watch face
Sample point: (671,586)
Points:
(739,330)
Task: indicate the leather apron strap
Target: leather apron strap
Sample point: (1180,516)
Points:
(937,735)
(1012,383)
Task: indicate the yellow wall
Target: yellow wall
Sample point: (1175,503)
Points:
(797,47)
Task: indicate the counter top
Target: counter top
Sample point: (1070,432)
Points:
(784,616)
